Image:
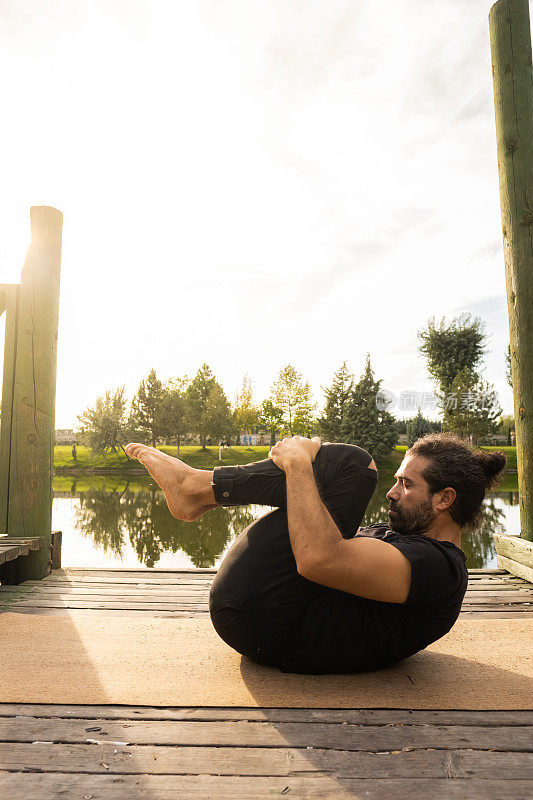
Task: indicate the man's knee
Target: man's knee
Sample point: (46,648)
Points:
(351,453)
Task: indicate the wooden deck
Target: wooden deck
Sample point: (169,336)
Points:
(112,752)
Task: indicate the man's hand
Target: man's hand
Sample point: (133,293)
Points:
(295,450)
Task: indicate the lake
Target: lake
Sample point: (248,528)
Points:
(119,522)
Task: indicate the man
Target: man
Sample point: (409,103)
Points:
(304,588)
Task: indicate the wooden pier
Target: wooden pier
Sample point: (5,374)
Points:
(81,751)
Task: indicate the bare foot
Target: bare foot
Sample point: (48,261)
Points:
(184,487)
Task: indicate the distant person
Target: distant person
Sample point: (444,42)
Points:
(304,588)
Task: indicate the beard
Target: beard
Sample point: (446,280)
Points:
(412,520)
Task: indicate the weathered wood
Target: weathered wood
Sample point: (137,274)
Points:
(123,759)
(515,548)
(11,298)
(45,786)
(510,36)
(29,504)
(12,551)
(480,613)
(55,555)
(516,567)
(32,542)
(351,716)
(267,734)
(36,601)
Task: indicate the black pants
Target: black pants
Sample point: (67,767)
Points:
(258,602)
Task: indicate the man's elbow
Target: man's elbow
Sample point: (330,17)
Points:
(311,566)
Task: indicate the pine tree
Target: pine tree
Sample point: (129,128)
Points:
(365,424)
(337,398)
(145,406)
(417,427)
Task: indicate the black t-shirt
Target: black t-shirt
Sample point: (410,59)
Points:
(347,633)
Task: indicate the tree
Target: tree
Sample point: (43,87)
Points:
(197,395)
(304,417)
(416,427)
(337,399)
(293,397)
(218,421)
(506,425)
(471,408)
(104,427)
(454,354)
(366,423)
(173,413)
(450,349)
(245,414)
(271,417)
(145,407)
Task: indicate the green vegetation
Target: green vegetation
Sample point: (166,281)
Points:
(118,462)
(454,355)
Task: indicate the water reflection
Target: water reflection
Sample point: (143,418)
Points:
(142,517)
(119,516)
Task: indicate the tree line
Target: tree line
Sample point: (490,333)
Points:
(185,409)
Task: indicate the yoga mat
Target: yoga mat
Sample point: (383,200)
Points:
(77,658)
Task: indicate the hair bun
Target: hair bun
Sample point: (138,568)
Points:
(492,464)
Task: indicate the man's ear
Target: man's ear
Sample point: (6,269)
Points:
(447,496)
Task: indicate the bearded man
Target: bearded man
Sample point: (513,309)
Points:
(303,588)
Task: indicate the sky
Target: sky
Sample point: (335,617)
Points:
(251,183)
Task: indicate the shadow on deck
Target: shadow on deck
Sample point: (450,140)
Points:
(53,751)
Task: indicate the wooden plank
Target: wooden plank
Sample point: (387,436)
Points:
(352,716)
(87,604)
(10,552)
(115,592)
(103,612)
(484,571)
(190,614)
(267,734)
(515,548)
(191,572)
(116,758)
(498,614)
(206,787)
(516,567)
(511,593)
(32,542)
(37,600)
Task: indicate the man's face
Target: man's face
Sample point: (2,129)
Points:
(410,501)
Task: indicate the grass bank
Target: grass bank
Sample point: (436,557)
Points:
(88,463)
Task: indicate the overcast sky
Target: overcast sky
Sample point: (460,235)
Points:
(254,182)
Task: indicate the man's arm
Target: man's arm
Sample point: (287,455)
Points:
(363,566)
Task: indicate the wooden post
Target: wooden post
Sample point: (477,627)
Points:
(29,500)
(510,37)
